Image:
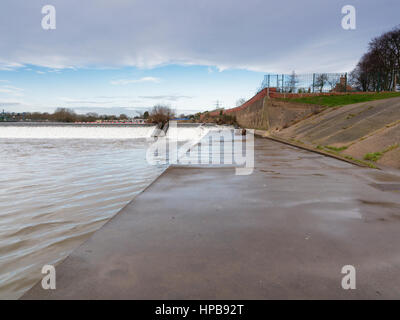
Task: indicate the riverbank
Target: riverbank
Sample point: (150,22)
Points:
(285,231)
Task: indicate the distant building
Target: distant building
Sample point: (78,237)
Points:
(342,86)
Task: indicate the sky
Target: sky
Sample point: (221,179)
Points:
(124,56)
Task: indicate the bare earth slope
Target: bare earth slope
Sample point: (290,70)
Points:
(362,128)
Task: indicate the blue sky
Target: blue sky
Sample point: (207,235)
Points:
(127,55)
(188,89)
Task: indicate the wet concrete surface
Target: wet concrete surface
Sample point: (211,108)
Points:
(284,232)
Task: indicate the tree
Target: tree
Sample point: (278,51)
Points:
(378,69)
(292,82)
(65,115)
(123,116)
(161,114)
(91,116)
(240,102)
(146,115)
(320,81)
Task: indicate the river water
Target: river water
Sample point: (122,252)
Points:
(55,192)
(60,183)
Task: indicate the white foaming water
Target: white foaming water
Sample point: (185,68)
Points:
(76,131)
(186,133)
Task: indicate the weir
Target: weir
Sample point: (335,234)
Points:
(186,131)
(36,130)
(74,131)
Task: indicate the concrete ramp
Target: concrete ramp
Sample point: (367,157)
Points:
(285,232)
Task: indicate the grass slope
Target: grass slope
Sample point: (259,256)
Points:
(341,100)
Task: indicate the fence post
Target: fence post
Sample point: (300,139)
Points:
(345,82)
(313,83)
(282,81)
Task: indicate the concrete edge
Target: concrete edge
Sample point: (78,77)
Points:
(266,135)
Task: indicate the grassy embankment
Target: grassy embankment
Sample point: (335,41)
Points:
(345,127)
(341,100)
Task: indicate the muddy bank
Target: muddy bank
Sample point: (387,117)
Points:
(263,113)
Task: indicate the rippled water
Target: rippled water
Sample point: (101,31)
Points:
(54,193)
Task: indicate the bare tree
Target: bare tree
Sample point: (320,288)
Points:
(292,82)
(320,81)
(379,68)
(91,116)
(240,102)
(64,115)
(161,114)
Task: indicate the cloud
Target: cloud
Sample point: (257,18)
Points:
(85,101)
(111,101)
(9,66)
(261,35)
(166,97)
(123,82)
(110,111)
(9,104)
(11,90)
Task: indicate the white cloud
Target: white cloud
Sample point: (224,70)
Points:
(171,97)
(252,34)
(9,66)
(11,90)
(84,101)
(9,103)
(129,81)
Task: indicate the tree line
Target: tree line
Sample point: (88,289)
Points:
(61,115)
(158,114)
(379,67)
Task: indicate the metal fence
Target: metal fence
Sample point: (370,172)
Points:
(306,83)
(330,82)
